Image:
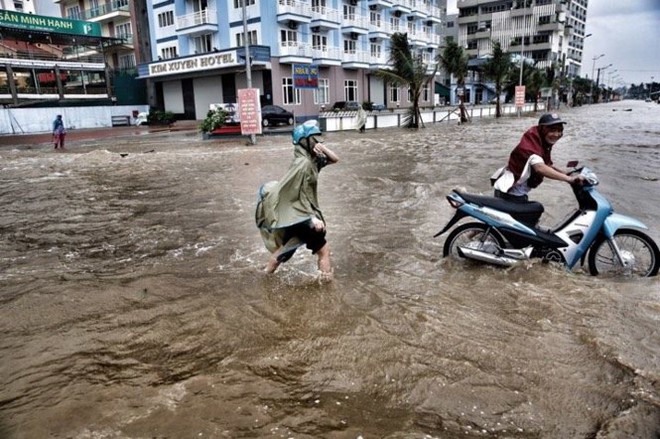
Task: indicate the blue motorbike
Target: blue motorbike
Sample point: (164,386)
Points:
(508,233)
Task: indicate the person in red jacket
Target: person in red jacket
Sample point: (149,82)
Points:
(531,161)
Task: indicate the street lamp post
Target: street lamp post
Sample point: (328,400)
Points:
(598,78)
(248,61)
(522,49)
(593,69)
(522,44)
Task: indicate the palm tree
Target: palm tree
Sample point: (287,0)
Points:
(498,69)
(455,62)
(535,80)
(407,69)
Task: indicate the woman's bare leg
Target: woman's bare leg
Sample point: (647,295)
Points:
(324,261)
(272,264)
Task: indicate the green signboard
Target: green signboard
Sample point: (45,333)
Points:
(49,24)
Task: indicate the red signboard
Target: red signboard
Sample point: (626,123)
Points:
(50,77)
(249,110)
(520,96)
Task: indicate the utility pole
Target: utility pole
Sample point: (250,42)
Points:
(593,70)
(598,78)
(248,60)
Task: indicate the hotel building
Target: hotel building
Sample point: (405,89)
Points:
(198,51)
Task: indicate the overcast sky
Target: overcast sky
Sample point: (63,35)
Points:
(627,32)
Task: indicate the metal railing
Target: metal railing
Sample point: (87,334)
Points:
(105,9)
(206,16)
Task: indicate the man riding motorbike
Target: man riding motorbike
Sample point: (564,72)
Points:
(531,161)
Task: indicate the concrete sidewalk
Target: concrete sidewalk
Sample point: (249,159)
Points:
(97,133)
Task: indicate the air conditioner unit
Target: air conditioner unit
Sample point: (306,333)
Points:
(293,25)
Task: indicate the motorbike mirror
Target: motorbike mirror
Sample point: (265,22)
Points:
(572,164)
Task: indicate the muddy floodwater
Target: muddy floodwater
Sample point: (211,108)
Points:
(133,302)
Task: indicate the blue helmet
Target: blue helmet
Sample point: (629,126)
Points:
(305,130)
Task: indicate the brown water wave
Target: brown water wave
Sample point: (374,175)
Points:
(133,302)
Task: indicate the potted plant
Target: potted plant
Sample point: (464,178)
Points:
(214,119)
(159,117)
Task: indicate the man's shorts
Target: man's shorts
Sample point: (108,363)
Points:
(306,234)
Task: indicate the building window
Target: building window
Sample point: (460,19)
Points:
(202,43)
(322,93)
(166,19)
(349,12)
(239,3)
(127,61)
(350,90)
(168,52)
(318,6)
(350,47)
(291,95)
(319,42)
(394,93)
(376,50)
(123,30)
(252,38)
(426,93)
(73,13)
(288,37)
(374,18)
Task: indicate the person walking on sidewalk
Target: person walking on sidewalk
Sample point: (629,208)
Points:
(59,133)
(361,120)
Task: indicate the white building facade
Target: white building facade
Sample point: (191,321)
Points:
(23,6)
(115,19)
(549,33)
(198,50)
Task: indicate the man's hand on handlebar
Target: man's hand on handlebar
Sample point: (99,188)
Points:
(577,179)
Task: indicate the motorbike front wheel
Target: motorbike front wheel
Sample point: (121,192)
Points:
(475,235)
(640,254)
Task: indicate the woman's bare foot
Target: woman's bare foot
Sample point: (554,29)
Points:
(272,265)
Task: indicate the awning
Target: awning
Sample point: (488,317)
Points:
(442,90)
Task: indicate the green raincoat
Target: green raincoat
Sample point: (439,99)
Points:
(290,201)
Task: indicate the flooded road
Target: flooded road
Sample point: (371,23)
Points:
(134,304)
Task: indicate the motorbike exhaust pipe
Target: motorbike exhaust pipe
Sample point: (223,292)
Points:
(509,259)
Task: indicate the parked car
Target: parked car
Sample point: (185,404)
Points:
(346,106)
(274,115)
(378,107)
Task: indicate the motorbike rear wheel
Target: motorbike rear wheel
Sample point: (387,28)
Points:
(637,249)
(472,233)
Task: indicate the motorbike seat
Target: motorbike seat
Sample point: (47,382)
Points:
(527,213)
